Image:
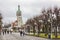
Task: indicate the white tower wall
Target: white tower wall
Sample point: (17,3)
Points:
(19,17)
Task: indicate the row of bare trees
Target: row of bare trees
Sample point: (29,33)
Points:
(47,21)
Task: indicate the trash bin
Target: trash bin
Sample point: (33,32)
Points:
(49,36)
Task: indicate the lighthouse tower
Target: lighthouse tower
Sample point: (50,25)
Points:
(19,16)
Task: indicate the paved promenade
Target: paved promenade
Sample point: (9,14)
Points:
(16,36)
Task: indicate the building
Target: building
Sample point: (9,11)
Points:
(19,17)
(18,24)
(0,22)
(14,25)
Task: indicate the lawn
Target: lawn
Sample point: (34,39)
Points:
(43,35)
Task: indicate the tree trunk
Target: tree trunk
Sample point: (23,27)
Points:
(34,30)
(38,31)
(56,32)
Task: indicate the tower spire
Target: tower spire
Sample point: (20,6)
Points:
(19,7)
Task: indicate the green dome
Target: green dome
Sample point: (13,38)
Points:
(18,12)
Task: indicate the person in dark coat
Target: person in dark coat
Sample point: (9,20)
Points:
(3,32)
(21,33)
(7,32)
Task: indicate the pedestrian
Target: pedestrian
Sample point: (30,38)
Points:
(23,32)
(20,33)
(3,32)
(7,32)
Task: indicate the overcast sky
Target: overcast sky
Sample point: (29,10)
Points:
(29,8)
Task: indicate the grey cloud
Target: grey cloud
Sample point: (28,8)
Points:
(29,8)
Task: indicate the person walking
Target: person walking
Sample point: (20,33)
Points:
(20,31)
(23,32)
(3,32)
(7,31)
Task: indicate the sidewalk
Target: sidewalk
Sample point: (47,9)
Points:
(29,37)
(0,37)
